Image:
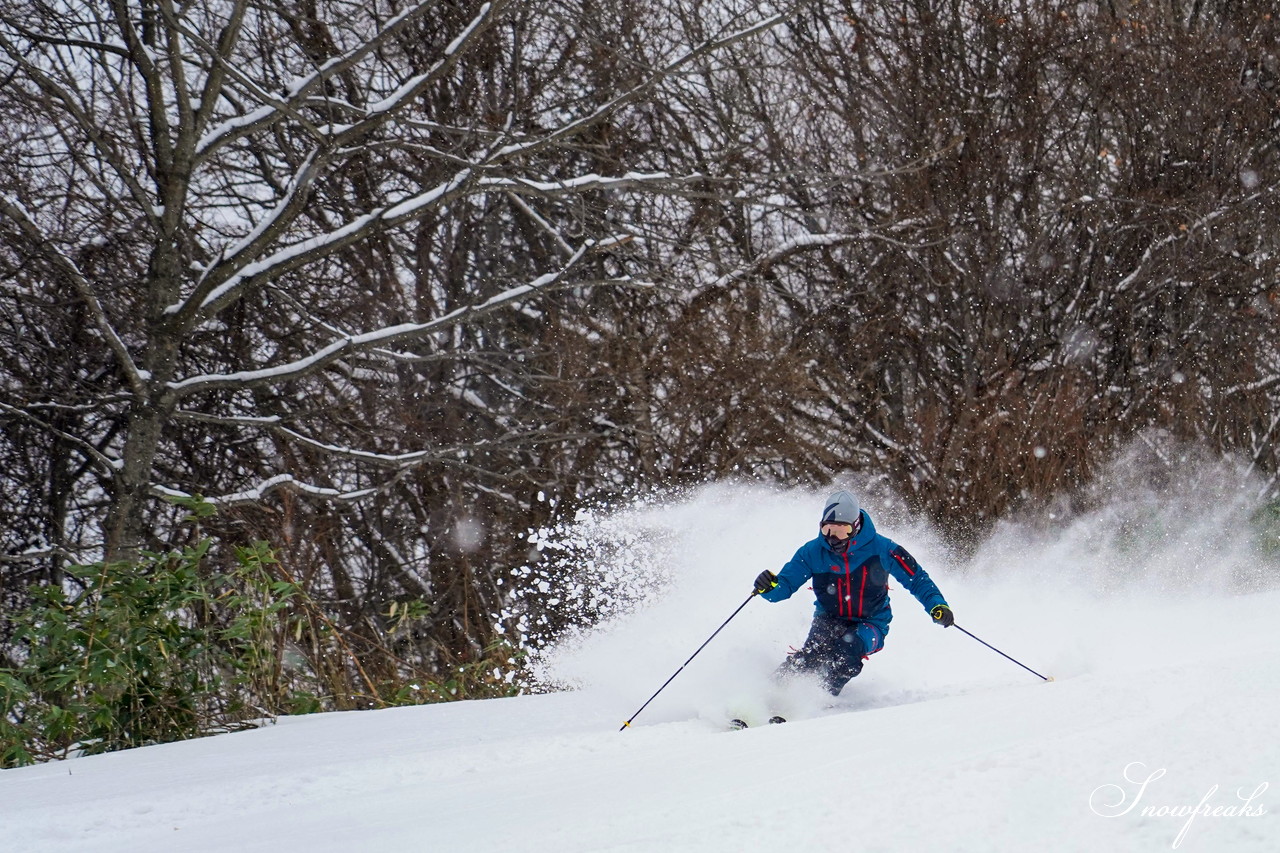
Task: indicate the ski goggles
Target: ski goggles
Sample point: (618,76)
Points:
(838,530)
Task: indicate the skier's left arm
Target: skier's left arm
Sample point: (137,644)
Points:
(916,581)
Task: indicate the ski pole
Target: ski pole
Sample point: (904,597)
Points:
(691,657)
(997,651)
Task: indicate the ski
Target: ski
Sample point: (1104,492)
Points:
(737,724)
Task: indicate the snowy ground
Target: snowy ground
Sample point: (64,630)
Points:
(1165,666)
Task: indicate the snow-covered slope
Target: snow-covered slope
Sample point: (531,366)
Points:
(939,745)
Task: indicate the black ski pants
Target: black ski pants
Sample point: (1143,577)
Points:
(833,652)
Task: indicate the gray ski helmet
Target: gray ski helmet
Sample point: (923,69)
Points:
(842,508)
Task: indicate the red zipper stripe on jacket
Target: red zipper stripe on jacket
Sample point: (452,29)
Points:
(862,592)
(904,565)
(846,606)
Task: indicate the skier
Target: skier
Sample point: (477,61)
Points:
(849,564)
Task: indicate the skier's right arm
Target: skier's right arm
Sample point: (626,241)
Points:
(794,575)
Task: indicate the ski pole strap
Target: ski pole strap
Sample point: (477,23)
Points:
(1002,654)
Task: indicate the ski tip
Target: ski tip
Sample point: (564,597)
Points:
(1050,678)
(736,724)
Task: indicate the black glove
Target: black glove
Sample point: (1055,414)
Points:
(943,616)
(765,581)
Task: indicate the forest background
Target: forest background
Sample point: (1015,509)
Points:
(313,313)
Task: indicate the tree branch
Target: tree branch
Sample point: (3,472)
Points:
(11,208)
(391,335)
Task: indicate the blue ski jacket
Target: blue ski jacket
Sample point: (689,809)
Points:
(855,585)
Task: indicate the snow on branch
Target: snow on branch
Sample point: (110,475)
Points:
(286,482)
(584,183)
(228,420)
(392,335)
(218,276)
(452,455)
(799,244)
(386,460)
(105,462)
(302,89)
(576,126)
(238,279)
(226,280)
(1263,384)
(1183,232)
(377,113)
